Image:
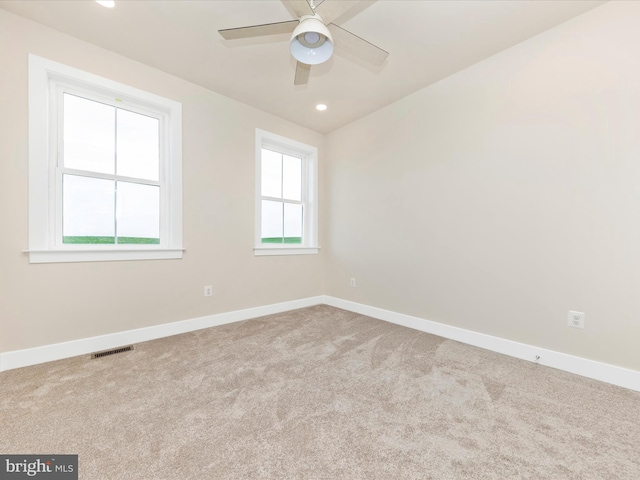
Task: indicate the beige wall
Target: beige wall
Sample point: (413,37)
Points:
(48,303)
(500,198)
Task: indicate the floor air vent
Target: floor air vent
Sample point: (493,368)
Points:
(106,353)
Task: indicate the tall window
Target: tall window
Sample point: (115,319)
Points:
(286,200)
(109,166)
(282,205)
(109,157)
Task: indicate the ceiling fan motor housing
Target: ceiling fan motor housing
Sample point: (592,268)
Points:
(311,42)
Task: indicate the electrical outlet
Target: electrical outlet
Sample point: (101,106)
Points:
(208,290)
(353,282)
(576,319)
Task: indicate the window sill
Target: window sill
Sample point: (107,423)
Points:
(68,256)
(288,250)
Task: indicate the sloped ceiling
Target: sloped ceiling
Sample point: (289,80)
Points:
(427,40)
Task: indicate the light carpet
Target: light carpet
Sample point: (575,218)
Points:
(319,393)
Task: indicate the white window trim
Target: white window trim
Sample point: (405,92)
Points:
(309,153)
(42,161)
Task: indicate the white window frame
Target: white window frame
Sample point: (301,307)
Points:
(47,81)
(309,155)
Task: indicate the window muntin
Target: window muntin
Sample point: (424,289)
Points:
(105,170)
(286,203)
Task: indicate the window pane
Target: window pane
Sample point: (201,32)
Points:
(271,222)
(291,178)
(138,145)
(138,213)
(87,210)
(271,174)
(292,223)
(88,135)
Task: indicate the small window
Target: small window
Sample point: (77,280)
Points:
(109,157)
(286,203)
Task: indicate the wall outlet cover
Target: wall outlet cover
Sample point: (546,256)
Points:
(576,319)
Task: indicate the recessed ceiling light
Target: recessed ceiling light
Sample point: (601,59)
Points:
(107,3)
(321,106)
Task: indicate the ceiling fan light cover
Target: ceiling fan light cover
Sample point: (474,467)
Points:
(311,41)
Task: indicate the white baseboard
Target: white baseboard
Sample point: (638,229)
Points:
(615,375)
(58,351)
(604,372)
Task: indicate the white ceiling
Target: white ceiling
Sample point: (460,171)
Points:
(427,40)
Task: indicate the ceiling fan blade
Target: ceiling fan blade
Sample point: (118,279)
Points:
(357,46)
(329,10)
(300,7)
(259,30)
(302,73)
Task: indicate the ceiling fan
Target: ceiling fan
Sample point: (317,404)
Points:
(313,35)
